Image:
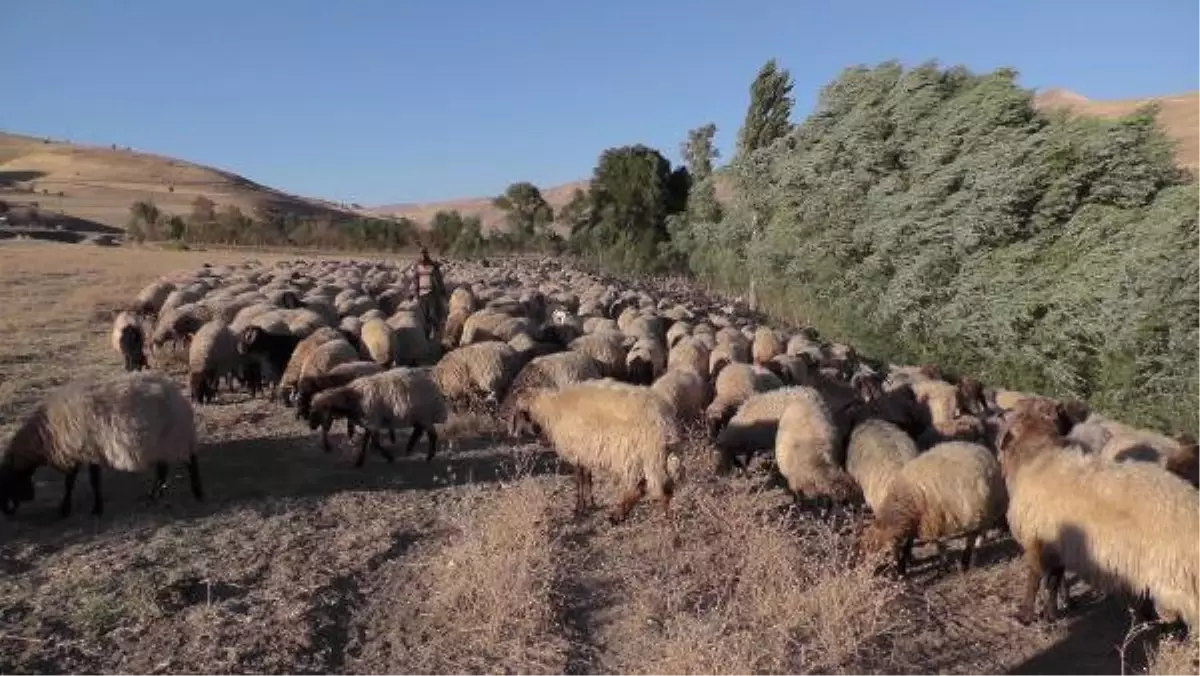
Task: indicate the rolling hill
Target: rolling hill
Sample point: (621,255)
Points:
(96,185)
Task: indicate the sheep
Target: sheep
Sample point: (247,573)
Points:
(686,391)
(1123,526)
(947,411)
(477,371)
(547,372)
(128,423)
(399,397)
(378,342)
(678,331)
(1122,442)
(461,301)
(292,355)
(645,361)
(876,451)
(609,426)
(129,339)
(954,488)
(150,299)
(340,375)
(808,452)
(766,345)
(412,343)
(180,323)
(607,349)
(689,353)
(754,426)
(212,354)
(734,384)
(452,330)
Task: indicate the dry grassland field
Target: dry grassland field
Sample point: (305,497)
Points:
(298,562)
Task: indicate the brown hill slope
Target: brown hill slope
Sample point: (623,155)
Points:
(1179,116)
(98,184)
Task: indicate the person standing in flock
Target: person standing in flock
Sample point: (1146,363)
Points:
(430,291)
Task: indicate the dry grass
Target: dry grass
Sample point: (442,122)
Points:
(1174,656)
(298,562)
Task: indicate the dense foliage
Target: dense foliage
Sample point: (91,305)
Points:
(934,214)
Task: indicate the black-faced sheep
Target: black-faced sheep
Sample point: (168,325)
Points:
(128,423)
(400,397)
(292,355)
(734,385)
(129,339)
(624,430)
(479,372)
(212,354)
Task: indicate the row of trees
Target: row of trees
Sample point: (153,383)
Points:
(934,214)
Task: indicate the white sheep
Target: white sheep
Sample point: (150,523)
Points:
(551,371)
(128,423)
(686,391)
(876,451)
(955,488)
(477,372)
(808,452)
(212,355)
(624,430)
(1128,527)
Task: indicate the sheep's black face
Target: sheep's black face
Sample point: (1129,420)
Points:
(315,419)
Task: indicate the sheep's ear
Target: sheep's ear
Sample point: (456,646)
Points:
(1076,411)
(931,371)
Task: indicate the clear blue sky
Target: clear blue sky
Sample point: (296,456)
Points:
(377,101)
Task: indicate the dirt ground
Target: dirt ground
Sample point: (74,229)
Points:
(297,562)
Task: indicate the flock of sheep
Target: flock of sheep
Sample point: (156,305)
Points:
(616,377)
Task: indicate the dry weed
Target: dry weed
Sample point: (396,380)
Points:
(492,604)
(751,591)
(1174,656)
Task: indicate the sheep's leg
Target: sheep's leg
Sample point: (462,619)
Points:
(1054,576)
(968,556)
(160,481)
(431,435)
(387,454)
(412,439)
(587,484)
(349,429)
(362,449)
(194,477)
(325,425)
(392,434)
(1033,580)
(97,498)
(580,500)
(64,508)
(621,511)
(904,555)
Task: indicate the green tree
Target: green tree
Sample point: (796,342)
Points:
(633,191)
(444,229)
(770,110)
(575,215)
(527,214)
(176,228)
(699,153)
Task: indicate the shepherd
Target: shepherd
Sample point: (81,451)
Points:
(430,292)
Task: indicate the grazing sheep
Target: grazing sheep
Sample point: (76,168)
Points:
(754,426)
(608,349)
(461,301)
(129,338)
(339,375)
(952,489)
(292,355)
(452,331)
(378,342)
(689,353)
(400,397)
(686,391)
(808,453)
(678,331)
(1123,443)
(946,411)
(1122,526)
(645,361)
(766,345)
(180,323)
(608,426)
(212,354)
(479,371)
(128,423)
(734,385)
(876,451)
(552,371)
(150,299)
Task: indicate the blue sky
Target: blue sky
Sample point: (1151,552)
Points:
(377,101)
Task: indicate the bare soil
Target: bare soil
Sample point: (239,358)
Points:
(298,562)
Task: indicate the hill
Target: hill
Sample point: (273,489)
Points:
(1179,116)
(96,185)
